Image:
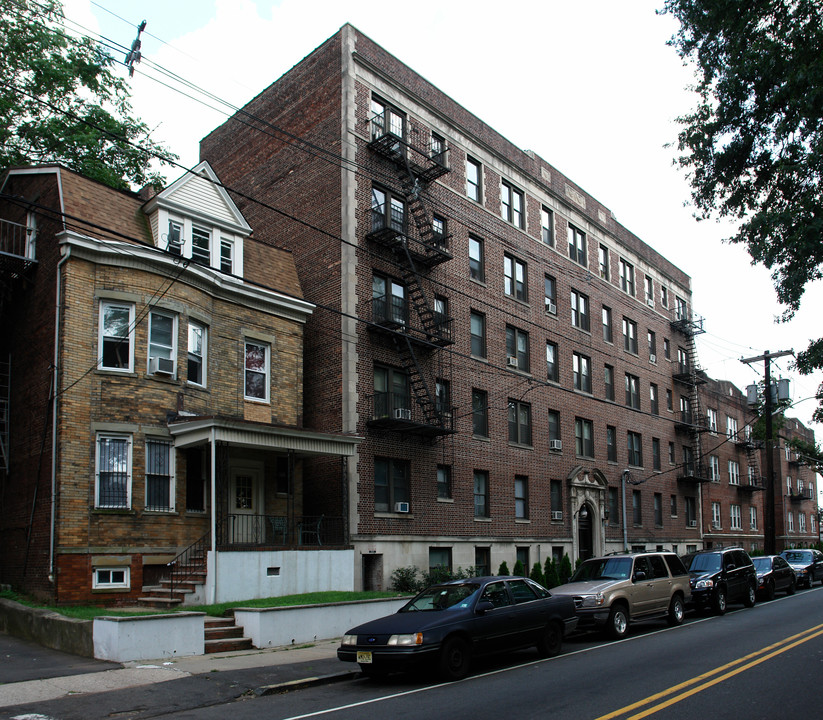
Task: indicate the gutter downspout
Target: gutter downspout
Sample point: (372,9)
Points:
(213,599)
(624,476)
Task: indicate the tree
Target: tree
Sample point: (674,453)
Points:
(753,146)
(60,101)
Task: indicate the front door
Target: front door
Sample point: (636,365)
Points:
(246,518)
(585,536)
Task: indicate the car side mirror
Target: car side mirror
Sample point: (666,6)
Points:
(639,575)
(484,606)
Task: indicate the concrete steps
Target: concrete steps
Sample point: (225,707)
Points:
(223,635)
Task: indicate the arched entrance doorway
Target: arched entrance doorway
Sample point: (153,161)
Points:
(585,536)
(587,490)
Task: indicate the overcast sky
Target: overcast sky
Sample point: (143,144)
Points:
(591,86)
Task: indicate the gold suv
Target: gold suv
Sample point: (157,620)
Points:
(612,591)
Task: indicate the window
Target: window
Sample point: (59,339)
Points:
(480,413)
(671,453)
(477,270)
(603,256)
(583,438)
(511,203)
(580,310)
(391,483)
(734,473)
(714,468)
(632,391)
(669,400)
(438,149)
(388,211)
(439,231)
(607,324)
(614,507)
(389,306)
(682,361)
(664,296)
(442,320)
(200,245)
(688,461)
(552,362)
(481,494)
(649,291)
(517,349)
(681,311)
(637,509)
(521,497)
(386,119)
(442,397)
(658,510)
(520,422)
(226,255)
(515,282)
(711,418)
(31,235)
(626,277)
(582,373)
(790,518)
(611,443)
(716,516)
(159,475)
(731,427)
(652,338)
(550,292)
(801,522)
(391,393)
(656,453)
(113,471)
(667,349)
(256,371)
(482,561)
(110,578)
(440,559)
(474,177)
(478,334)
(655,408)
(162,342)
(556,499)
(554,426)
(635,446)
(547,226)
(444,482)
(691,512)
(116,336)
(608,377)
(577,246)
(197,354)
(175,238)
(674,506)
(630,336)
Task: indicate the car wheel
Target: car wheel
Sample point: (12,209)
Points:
(792,587)
(676,611)
(455,658)
(550,640)
(751,597)
(770,590)
(719,601)
(618,624)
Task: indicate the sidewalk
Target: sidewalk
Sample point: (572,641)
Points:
(257,671)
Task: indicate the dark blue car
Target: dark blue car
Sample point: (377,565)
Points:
(446,625)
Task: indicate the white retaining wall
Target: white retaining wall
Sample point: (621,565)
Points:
(149,637)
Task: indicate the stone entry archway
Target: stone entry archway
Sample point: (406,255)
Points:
(588,497)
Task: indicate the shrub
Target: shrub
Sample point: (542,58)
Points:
(504,569)
(404,579)
(537,574)
(519,570)
(565,569)
(552,578)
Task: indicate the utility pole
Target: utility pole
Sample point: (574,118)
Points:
(769,540)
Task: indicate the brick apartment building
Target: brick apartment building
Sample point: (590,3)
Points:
(152,398)
(521,366)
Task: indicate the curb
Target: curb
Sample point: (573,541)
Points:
(290,685)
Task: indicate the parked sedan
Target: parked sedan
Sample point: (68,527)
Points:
(807,564)
(446,625)
(774,574)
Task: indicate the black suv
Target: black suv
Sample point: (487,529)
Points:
(720,576)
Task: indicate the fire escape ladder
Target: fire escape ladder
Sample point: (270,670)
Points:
(417,381)
(5,391)
(416,294)
(694,401)
(752,457)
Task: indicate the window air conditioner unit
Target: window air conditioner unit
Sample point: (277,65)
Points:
(692,523)
(652,358)
(161,366)
(557,514)
(555,444)
(401,507)
(402,414)
(551,308)
(511,361)
(715,525)
(649,302)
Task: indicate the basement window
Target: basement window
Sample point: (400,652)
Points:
(110,577)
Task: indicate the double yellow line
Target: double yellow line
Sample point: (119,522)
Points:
(686,689)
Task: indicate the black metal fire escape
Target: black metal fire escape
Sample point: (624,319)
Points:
(416,248)
(753,480)
(687,373)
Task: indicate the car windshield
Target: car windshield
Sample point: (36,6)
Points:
(443,597)
(762,564)
(705,563)
(797,556)
(603,569)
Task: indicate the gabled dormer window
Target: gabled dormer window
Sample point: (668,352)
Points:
(175,237)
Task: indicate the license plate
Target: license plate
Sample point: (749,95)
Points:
(364,656)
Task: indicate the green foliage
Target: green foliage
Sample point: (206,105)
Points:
(519,570)
(810,453)
(552,576)
(565,570)
(537,574)
(60,101)
(753,146)
(404,579)
(503,569)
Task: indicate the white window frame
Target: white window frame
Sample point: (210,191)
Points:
(31,235)
(515,278)
(714,468)
(226,259)
(801,522)
(731,427)
(97,469)
(169,445)
(98,584)
(753,517)
(101,336)
(790,518)
(734,472)
(711,417)
(196,257)
(266,370)
(735,517)
(204,345)
(172,350)
(717,521)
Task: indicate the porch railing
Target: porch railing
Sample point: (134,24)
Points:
(281,531)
